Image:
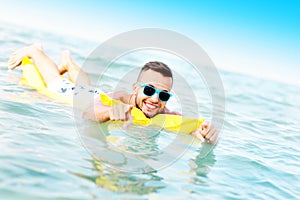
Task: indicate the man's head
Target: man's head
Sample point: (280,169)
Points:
(154,76)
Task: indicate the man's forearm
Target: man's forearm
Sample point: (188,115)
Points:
(97,114)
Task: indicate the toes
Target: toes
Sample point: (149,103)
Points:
(16,58)
(13,62)
(12,65)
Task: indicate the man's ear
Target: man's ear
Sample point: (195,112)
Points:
(134,88)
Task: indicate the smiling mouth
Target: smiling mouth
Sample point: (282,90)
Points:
(150,106)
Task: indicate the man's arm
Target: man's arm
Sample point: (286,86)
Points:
(96,111)
(101,113)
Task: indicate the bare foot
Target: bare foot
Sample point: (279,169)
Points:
(16,58)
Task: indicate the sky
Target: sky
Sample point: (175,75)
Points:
(261,38)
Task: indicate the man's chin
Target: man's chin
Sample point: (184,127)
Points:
(149,114)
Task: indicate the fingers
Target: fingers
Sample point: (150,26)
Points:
(206,133)
(214,138)
(111,114)
(129,120)
(200,137)
(197,134)
(128,116)
(120,112)
(210,134)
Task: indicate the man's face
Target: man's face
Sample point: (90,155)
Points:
(151,105)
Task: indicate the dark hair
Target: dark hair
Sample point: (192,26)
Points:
(159,67)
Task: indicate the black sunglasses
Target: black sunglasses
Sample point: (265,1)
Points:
(149,90)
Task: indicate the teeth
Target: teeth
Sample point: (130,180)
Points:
(150,106)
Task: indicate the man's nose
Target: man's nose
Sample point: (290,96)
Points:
(154,97)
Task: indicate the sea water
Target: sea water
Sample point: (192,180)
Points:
(42,155)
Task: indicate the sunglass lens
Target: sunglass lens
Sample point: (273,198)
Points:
(148,90)
(164,96)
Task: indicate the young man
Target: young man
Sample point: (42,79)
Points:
(150,93)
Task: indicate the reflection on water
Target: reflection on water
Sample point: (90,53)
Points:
(124,182)
(137,149)
(121,159)
(200,167)
(107,145)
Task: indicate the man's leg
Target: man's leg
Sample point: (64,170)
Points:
(75,74)
(46,66)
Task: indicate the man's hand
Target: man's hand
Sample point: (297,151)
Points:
(120,112)
(206,132)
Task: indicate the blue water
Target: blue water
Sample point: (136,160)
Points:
(42,156)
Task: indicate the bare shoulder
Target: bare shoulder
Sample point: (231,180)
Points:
(120,95)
